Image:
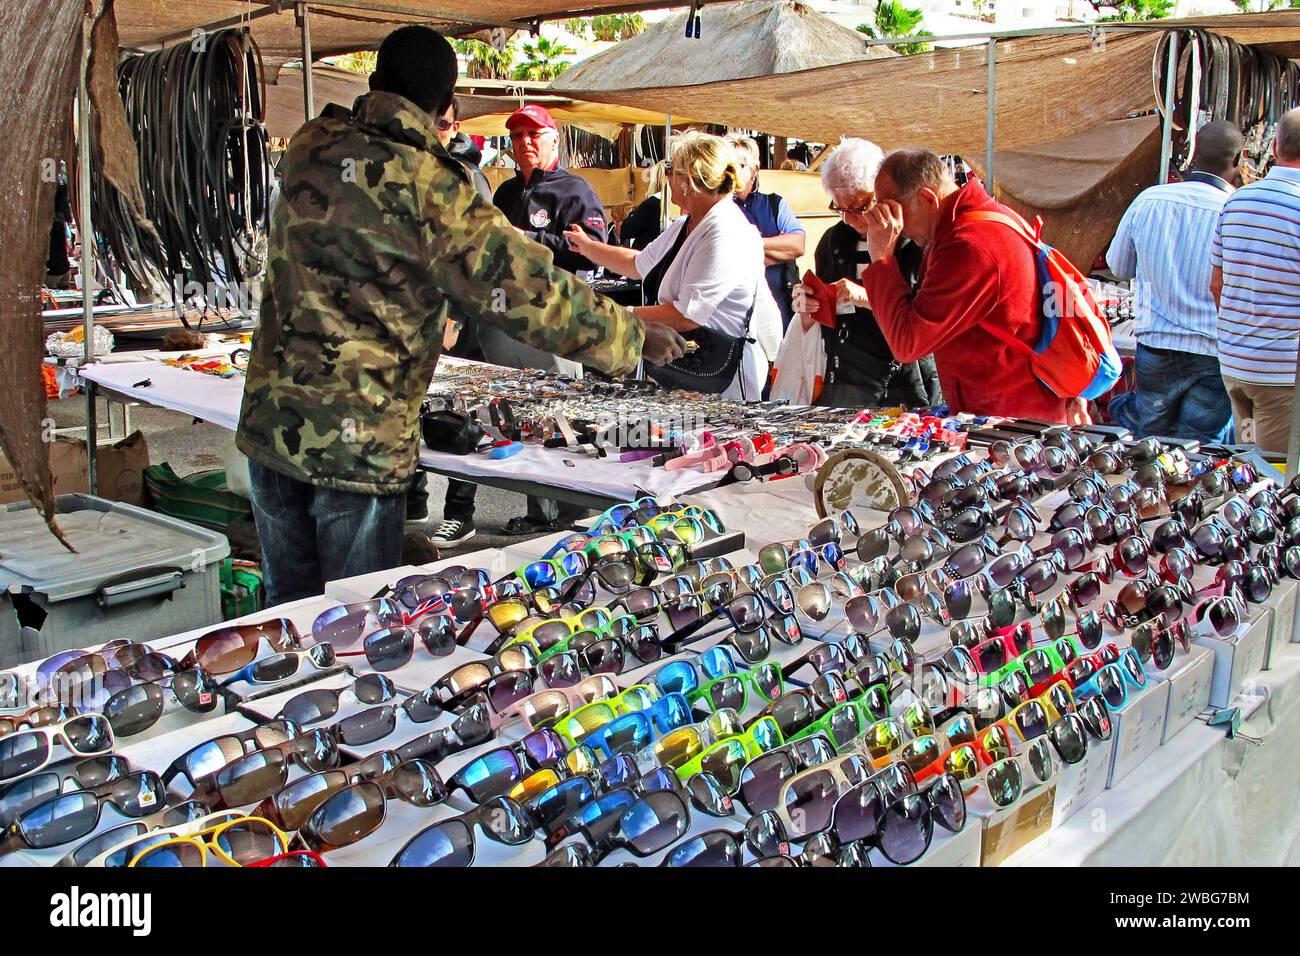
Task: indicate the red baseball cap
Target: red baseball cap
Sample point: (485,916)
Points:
(531,116)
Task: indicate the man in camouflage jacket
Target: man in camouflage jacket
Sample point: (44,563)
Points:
(378,233)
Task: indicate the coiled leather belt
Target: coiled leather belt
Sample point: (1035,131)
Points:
(196,111)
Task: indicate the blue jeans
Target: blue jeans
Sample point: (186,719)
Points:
(311,535)
(1178,395)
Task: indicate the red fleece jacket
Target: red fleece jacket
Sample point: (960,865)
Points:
(974,273)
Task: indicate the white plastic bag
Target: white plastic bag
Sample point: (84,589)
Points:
(800,363)
(765,323)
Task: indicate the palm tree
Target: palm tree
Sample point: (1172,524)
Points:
(483,61)
(543,61)
(362,62)
(617,26)
(1264,6)
(1130,10)
(895,20)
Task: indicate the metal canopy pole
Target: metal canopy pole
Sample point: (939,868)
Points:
(302,15)
(1167,123)
(991,123)
(663,199)
(86,233)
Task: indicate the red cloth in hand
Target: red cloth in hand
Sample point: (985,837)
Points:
(825,296)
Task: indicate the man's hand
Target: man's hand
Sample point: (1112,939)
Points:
(1076,412)
(884,226)
(579,241)
(848,291)
(662,344)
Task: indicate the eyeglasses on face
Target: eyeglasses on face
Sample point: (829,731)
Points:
(859,210)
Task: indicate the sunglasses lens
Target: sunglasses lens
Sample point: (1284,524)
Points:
(390,648)
(858,813)
(655,822)
(490,775)
(906,829)
(59,821)
(809,802)
(1069,735)
(1110,685)
(135,709)
(949,803)
(447,844)
(1004,783)
(249,841)
(904,622)
(172,855)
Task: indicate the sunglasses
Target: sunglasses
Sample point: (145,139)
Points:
(651,824)
(71,816)
(547,707)
(117,846)
(135,709)
(283,666)
(314,706)
(27,752)
(230,649)
(359,808)
(451,843)
(901,829)
(726,758)
(234,843)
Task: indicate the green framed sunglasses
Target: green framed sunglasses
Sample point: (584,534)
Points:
(731,691)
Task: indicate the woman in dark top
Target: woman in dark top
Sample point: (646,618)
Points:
(644,224)
(860,368)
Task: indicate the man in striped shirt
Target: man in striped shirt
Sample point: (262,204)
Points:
(1256,284)
(1162,241)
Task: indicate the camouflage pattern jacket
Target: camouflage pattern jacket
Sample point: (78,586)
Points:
(377,234)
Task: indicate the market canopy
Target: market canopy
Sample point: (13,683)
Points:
(1048,88)
(339,26)
(480,114)
(753,38)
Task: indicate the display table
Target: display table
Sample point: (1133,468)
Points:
(591,483)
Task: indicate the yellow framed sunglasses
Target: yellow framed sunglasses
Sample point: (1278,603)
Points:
(236,842)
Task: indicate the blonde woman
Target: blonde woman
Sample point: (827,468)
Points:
(710,261)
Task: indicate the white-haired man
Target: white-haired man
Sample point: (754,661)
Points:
(861,370)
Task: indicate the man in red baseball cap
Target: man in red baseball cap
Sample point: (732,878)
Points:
(542,201)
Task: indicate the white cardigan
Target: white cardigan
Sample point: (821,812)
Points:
(713,281)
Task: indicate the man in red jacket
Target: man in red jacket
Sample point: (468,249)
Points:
(974,274)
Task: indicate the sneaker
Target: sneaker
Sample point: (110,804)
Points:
(451,534)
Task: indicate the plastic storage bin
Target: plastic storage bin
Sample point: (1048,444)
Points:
(137,575)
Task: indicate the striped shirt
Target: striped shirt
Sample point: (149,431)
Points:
(1162,242)
(1257,245)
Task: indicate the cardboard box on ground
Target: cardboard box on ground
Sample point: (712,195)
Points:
(121,470)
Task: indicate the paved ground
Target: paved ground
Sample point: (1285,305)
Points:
(191,446)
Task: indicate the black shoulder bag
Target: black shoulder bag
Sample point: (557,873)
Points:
(711,368)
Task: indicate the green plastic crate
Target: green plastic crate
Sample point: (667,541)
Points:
(203,498)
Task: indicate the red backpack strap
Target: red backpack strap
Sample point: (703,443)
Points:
(1026,232)
(1030,233)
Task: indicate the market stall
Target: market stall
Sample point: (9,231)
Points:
(1131,743)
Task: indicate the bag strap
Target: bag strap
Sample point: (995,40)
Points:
(1022,228)
(1031,234)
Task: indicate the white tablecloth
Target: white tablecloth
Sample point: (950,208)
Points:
(217,400)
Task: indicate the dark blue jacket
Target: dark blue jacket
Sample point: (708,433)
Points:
(547,206)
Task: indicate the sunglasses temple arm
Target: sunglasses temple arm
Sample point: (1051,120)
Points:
(468,631)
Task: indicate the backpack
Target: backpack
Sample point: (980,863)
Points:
(1075,357)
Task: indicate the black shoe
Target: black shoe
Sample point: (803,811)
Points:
(526,524)
(452,533)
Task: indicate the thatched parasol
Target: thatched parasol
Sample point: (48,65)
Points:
(756,38)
